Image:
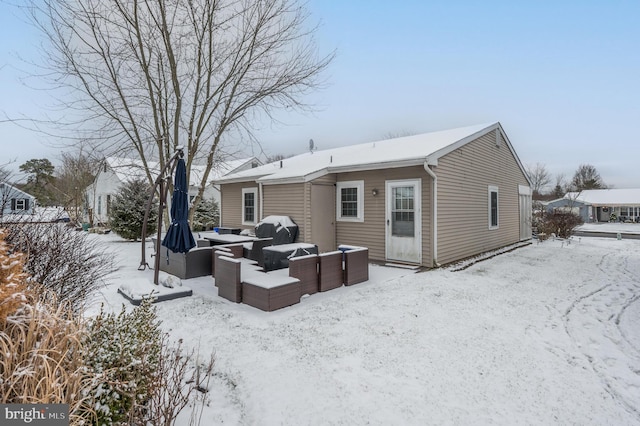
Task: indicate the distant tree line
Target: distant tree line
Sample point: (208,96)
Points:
(585,177)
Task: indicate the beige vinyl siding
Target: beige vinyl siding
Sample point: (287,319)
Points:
(371,232)
(231,204)
(287,200)
(464,177)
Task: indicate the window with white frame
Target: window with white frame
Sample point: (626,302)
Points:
(21,204)
(493,207)
(249,205)
(350,201)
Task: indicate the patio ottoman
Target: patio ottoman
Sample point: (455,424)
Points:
(277,256)
(269,292)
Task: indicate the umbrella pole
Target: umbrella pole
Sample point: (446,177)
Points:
(143,261)
(161,204)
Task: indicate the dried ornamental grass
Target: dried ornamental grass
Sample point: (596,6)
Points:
(40,343)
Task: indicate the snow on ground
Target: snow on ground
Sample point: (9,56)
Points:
(610,227)
(545,334)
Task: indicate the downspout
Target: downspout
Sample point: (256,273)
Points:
(434,204)
(219,189)
(261,201)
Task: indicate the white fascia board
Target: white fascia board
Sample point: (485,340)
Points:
(342,169)
(282,181)
(242,179)
(293,179)
(378,166)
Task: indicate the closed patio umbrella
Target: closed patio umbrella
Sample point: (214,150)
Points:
(179,238)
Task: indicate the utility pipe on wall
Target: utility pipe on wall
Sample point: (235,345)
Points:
(261,201)
(434,204)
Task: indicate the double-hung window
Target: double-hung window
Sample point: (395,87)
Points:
(493,207)
(249,205)
(350,201)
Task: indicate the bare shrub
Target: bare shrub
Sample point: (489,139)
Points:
(559,223)
(175,386)
(68,263)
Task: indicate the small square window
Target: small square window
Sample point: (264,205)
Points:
(350,202)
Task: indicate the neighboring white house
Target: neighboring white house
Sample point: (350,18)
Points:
(601,204)
(115,171)
(14,201)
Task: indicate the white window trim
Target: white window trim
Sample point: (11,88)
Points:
(21,204)
(491,190)
(359,185)
(253,191)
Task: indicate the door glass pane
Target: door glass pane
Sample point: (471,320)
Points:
(402,214)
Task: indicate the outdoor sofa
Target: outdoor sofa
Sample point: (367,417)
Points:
(195,263)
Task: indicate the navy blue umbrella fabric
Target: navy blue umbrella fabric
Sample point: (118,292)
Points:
(179,238)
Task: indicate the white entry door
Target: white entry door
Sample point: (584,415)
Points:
(404,221)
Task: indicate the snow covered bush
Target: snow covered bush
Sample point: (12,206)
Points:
(126,213)
(70,264)
(144,379)
(559,223)
(40,340)
(125,349)
(206,216)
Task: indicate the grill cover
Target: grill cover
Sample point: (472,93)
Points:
(282,229)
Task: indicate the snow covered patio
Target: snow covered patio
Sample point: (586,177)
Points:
(546,334)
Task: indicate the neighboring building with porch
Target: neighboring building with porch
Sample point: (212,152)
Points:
(115,172)
(602,205)
(427,199)
(15,201)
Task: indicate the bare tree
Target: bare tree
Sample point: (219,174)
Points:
(560,187)
(539,176)
(587,177)
(152,75)
(77,171)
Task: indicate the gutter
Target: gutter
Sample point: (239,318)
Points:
(434,204)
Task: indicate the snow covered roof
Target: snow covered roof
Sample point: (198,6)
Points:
(10,191)
(398,152)
(128,169)
(220,169)
(607,197)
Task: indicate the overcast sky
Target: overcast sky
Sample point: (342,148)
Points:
(563,78)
